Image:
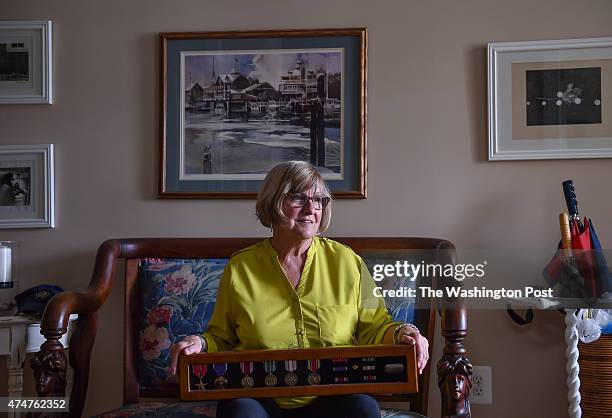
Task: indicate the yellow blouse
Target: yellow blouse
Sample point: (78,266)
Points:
(333,304)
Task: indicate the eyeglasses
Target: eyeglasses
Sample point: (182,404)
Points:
(299,200)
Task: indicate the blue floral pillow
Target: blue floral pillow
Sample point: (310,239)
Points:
(177,299)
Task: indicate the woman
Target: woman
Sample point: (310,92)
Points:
(297,290)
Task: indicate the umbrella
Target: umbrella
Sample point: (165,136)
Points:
(586,275)
(586,247)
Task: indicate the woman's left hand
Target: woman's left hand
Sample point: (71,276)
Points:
(410,336)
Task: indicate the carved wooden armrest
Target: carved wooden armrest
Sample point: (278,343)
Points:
(49,363)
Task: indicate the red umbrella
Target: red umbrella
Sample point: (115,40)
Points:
(587,275)
(584,255)
(587,249)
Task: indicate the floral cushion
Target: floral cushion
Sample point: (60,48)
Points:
(177,299)
(204,409)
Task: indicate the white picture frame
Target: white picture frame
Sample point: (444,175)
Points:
(26,66)
(27,192)
(550,99)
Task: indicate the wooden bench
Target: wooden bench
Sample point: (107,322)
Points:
(453,368)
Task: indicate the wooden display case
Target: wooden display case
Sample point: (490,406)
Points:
(389,369)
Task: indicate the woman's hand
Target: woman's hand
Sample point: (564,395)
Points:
(411,336)
(191,344)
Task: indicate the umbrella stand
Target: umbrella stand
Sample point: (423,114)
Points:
(571,332)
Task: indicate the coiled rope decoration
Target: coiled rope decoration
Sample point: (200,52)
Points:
(572,367)
(571,332)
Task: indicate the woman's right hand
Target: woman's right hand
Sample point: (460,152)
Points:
(191,344)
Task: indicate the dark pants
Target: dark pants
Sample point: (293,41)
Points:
(342,406)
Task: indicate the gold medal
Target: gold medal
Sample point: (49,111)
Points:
(247,382)
(220,369)
(199,370)
(271,380)
(270,368)
(291,379)
(314,379)
(221,382)
(247,368)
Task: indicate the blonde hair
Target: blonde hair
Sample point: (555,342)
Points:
(285,178)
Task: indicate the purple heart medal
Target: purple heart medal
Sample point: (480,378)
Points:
(220,369)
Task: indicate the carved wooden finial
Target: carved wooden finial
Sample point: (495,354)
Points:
(50,373)
(454,381)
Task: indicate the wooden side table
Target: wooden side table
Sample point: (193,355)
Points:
(20,335)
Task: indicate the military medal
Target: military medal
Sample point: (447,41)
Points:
(220,381)
(200,371)
(247,368)
(314,378)
(338,369)
(270,368)
(368,366)
(291,378)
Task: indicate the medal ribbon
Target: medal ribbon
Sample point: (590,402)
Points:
(269,366)
(314,365)
(246,367)
(199,370)
(220,369)
(290,365)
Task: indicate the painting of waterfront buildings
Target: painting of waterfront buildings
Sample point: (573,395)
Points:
(244,112)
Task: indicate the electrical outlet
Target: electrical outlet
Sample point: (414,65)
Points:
(482,385)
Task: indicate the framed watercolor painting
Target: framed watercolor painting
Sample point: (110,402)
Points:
(26,186)
(234,104)
(26,62)
(550,99)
